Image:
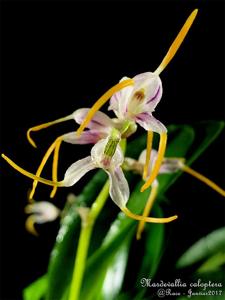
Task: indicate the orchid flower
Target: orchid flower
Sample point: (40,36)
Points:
(41,212)
(106,154)
(99,127)
(136,102)
(75,138)
(168,166)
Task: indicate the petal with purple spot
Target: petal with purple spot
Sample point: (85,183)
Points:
(151,86)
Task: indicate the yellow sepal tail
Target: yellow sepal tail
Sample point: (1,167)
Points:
(177,42)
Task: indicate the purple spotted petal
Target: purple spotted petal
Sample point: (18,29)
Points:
(119,189)
(100,121)
(148,122)
(152,86)
(87,137)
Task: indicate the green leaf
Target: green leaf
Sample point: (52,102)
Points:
(205,247)
(120,229)
(154,241)
(213,263)
(36,290)
(103,261)
(208,131)
(109,275)
(124,296)
(153,246)
(115,273)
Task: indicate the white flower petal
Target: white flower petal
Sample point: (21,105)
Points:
(148,122)
(100,121)
(78,170)
(153,157)
(118,157)
(142,156)
(119,189)
(87,137)
(97,151)
(151,85)
(170,165)
(119,101)
(142,97)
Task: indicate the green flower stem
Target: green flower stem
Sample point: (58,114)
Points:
(84,241)
(88,222)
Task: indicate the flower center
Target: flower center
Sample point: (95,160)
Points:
(139,95)
(136,102)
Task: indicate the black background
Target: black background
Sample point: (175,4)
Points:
(58,56)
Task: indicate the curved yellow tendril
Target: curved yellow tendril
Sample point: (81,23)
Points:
(204,179)
(45,125)
(55,166)
(147,210)
(29,225)
(131,215)
(101,101)
(177,42)
(160,156)
(30,175)
(148,154)
(40,168)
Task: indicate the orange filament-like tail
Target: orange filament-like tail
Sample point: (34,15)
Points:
(147,209)
(45,125)
(101,101)
(177,42)
(160,156)
(41,167)
(148,153)
(29,225)
(131,215)
(55,166)
(30,175)
(204,179)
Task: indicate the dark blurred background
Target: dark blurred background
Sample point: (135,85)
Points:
(59,56)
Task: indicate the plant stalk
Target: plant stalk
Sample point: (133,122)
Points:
(84,241)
